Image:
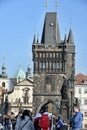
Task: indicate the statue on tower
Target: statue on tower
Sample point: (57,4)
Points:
(64,89)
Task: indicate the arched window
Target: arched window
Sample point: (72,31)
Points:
(3,84)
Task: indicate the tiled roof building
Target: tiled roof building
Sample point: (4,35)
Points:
(81,94)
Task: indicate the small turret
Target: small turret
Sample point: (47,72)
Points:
(28,73)
(35,39)
(4,74)
(70,37)
(65,39)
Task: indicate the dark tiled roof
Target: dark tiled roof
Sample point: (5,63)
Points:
(51,33)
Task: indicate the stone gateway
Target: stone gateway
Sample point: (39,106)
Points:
(53,59)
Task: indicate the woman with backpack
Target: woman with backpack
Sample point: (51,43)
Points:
(25,121)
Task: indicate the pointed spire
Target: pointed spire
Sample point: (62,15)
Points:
(65,39)
(35,39)
(29,69)
(51,33)
(28,72)
(70,37)
(38,38)
(4,69)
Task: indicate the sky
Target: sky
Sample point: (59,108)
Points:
(21,19)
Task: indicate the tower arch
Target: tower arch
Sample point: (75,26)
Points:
(46,103)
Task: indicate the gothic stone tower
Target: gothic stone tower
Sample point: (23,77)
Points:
(54,61)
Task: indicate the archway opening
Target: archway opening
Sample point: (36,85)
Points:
(52,106)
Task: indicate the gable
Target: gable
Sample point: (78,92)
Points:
(25,82)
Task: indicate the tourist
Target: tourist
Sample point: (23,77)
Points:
(76,119)
(25,121)
(59,122)
(46,119)
(36,121)
(7,124)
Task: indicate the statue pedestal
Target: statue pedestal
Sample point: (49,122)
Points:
(64,109)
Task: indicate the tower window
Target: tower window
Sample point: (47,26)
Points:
(54,65)
(40,65)
(44,64)
(57,65)
(3,84)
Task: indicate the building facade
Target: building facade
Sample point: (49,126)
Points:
(21,91)
(54,64)
(81,94)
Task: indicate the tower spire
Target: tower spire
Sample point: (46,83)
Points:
(71,23)
(50,25)
(4,68)
(37,37)
(70,37)
(28,72)
(34,39)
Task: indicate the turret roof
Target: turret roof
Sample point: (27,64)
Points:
(20,74)
(70,37)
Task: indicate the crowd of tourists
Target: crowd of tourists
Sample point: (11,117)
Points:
(41,121)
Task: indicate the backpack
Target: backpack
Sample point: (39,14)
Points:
(44,121)
(59,124)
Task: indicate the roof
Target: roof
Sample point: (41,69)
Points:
(25,82)
(81,79)
(20,74)
(70,37)
(51,33)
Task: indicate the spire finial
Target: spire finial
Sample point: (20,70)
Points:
(56,5)
(71,23)
(46,5)
(38,37)
(3,58)
(4,67)
(65,30)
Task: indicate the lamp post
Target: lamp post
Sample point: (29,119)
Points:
(80,99)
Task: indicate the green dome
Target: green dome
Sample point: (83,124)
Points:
(20,74)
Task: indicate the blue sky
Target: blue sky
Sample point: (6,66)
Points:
(20,19)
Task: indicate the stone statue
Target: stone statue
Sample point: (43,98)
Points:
(64,89)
